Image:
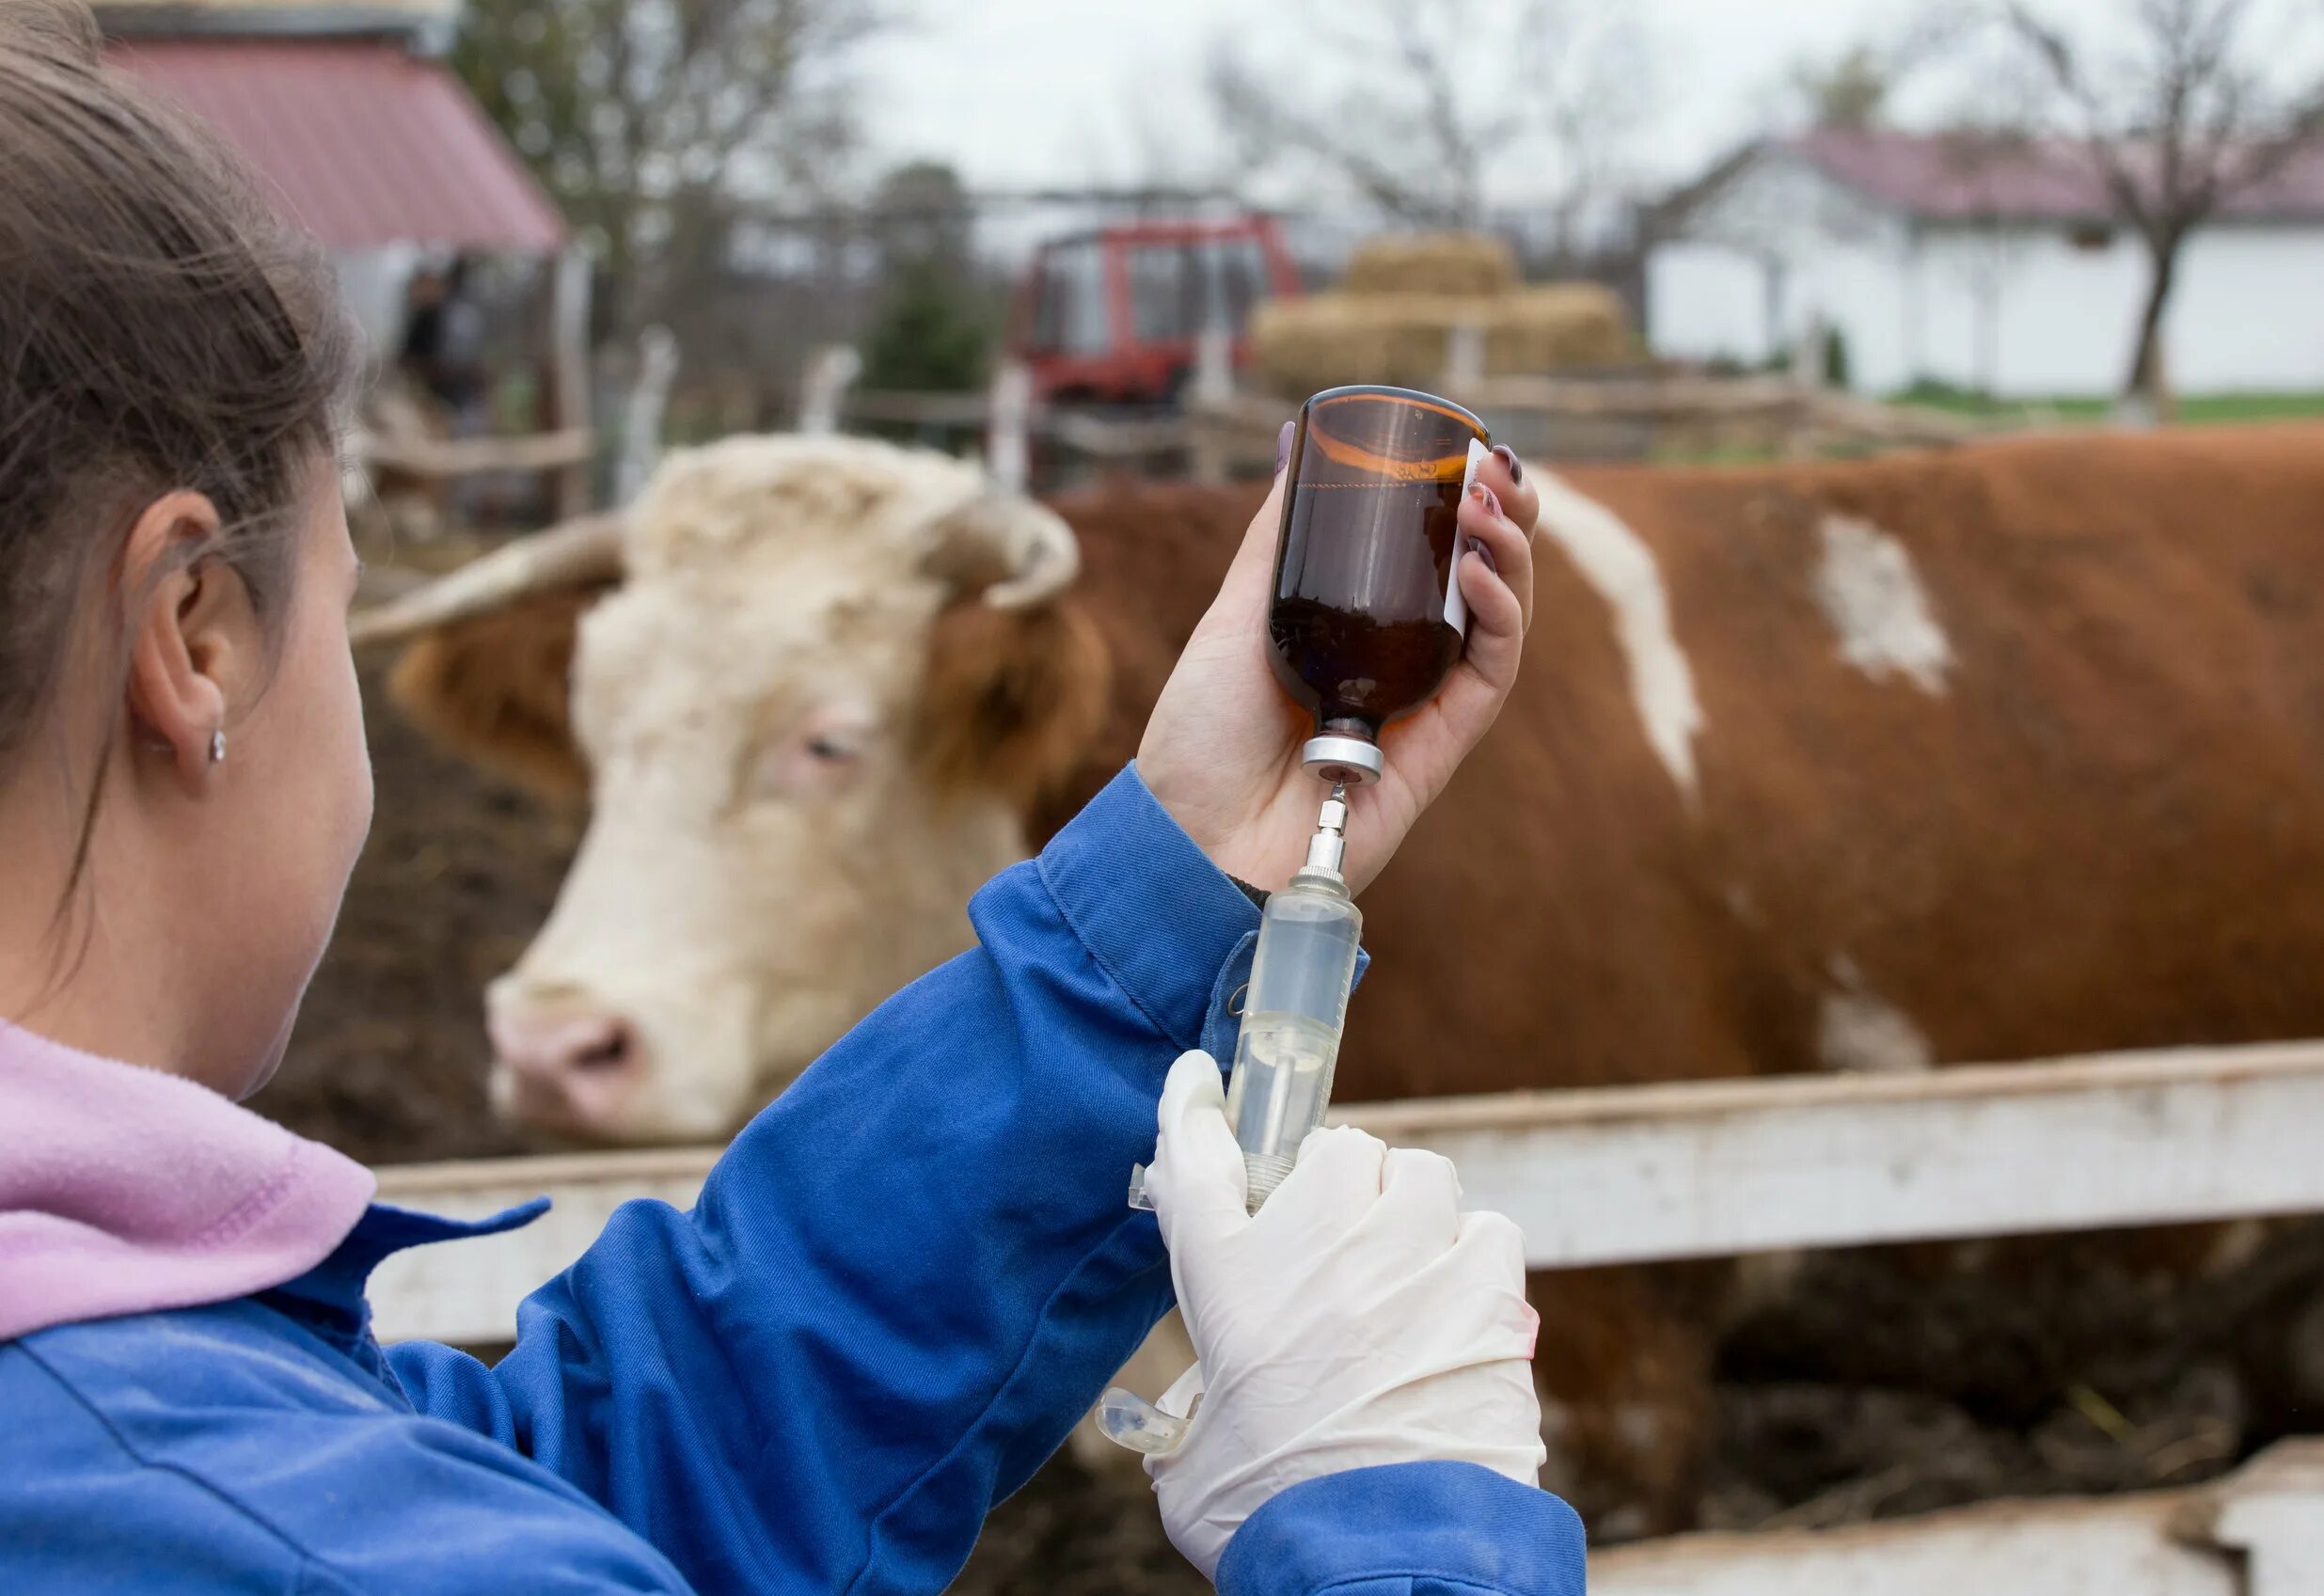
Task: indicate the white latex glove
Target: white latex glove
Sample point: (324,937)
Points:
(1359,1318)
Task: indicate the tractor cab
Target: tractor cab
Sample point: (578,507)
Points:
(1117,316)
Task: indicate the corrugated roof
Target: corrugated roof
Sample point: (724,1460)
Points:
(145,14)
(1943,177)
(365,144)
(415,8)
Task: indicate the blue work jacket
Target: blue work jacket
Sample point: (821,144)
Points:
(901,1286)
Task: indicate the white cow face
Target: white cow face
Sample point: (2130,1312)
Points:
(769,853)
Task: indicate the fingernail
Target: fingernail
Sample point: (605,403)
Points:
(1508,458)
(1493,501)
(1477,548)
(1283,448)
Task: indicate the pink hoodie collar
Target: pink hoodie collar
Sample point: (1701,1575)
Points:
(124,1190)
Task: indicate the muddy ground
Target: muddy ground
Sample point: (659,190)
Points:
(1885,1384)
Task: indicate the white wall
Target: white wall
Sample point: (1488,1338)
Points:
(1783,248)
(2020,310)
(1708,302)
(374,284)
(2248,311)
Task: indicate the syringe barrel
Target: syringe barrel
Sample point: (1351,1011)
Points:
(1293,1013)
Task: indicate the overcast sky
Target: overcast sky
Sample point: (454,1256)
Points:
(1020,92)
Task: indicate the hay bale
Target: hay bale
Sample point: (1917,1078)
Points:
(1559,327)
(1325,340)
(1433,262)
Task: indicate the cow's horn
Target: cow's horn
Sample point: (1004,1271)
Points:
(588,549)
(1023,553)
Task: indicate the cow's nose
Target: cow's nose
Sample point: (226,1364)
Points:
(568,1070)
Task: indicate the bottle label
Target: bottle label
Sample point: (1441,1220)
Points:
(1457,607)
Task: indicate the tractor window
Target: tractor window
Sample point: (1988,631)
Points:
(1243,268)
(1069,314)
(1163,290)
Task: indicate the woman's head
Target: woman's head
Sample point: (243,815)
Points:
(174,568)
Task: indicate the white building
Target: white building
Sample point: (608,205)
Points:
(1987,265)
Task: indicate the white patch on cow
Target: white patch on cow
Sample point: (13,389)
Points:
(1859,1032)
(1615,561)
(1869,592)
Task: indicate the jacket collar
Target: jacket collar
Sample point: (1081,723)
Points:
(124,1190)
(329,1300)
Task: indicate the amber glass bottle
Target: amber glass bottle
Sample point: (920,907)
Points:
(1367,619)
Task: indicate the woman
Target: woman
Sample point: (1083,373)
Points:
(902,1283)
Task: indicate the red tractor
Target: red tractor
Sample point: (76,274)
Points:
(1115,316)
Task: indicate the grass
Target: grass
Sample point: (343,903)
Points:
(2193,409)
(2208,409)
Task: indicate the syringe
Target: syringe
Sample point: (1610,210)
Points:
(1295,1008)
(1294,1011)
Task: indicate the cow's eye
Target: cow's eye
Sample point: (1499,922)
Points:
(816,759)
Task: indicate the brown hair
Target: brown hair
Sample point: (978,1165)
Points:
(159,329)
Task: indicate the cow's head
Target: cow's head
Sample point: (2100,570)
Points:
(824,681)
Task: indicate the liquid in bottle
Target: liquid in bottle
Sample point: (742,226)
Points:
(1366,618)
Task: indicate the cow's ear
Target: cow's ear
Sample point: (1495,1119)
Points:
(496,689)
(1012,699)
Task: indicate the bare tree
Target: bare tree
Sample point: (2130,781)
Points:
(1850,90)
(1410,103)
(652,120)
(2179,122)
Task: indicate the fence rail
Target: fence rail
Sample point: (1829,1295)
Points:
(1218,432)
(1711,1168)
(1630,1175)
(2258,1532)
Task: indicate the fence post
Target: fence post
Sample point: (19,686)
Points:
(831,371)
(1209,395)
(641,416)
(2272,1512)
(1009,421)
(1465,359)
(568,394)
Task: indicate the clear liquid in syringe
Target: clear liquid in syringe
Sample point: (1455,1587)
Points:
(1282,1085)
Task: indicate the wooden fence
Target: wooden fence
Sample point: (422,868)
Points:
(1218,432)
(2258,1532)
(1632,1174)
(1700,1169)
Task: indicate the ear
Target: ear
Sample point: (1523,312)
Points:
(1012,699)
(497,689)
(194,639)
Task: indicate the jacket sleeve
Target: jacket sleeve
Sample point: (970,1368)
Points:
(1407,1529)
(909,1277)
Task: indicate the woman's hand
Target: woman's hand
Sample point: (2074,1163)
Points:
(1221,749)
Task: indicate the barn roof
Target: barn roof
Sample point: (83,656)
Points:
(281,18)
(1966,178)
(365,143)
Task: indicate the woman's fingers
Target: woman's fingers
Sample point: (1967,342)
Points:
(1507,543)
(1496,624)
(1506,476)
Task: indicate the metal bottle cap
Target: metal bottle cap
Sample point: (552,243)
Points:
(1353,760)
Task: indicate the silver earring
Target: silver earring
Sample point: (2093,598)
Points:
(217,746)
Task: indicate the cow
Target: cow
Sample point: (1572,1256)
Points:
(2010,752)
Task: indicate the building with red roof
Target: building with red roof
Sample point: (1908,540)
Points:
(1983,262)
(353,121)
